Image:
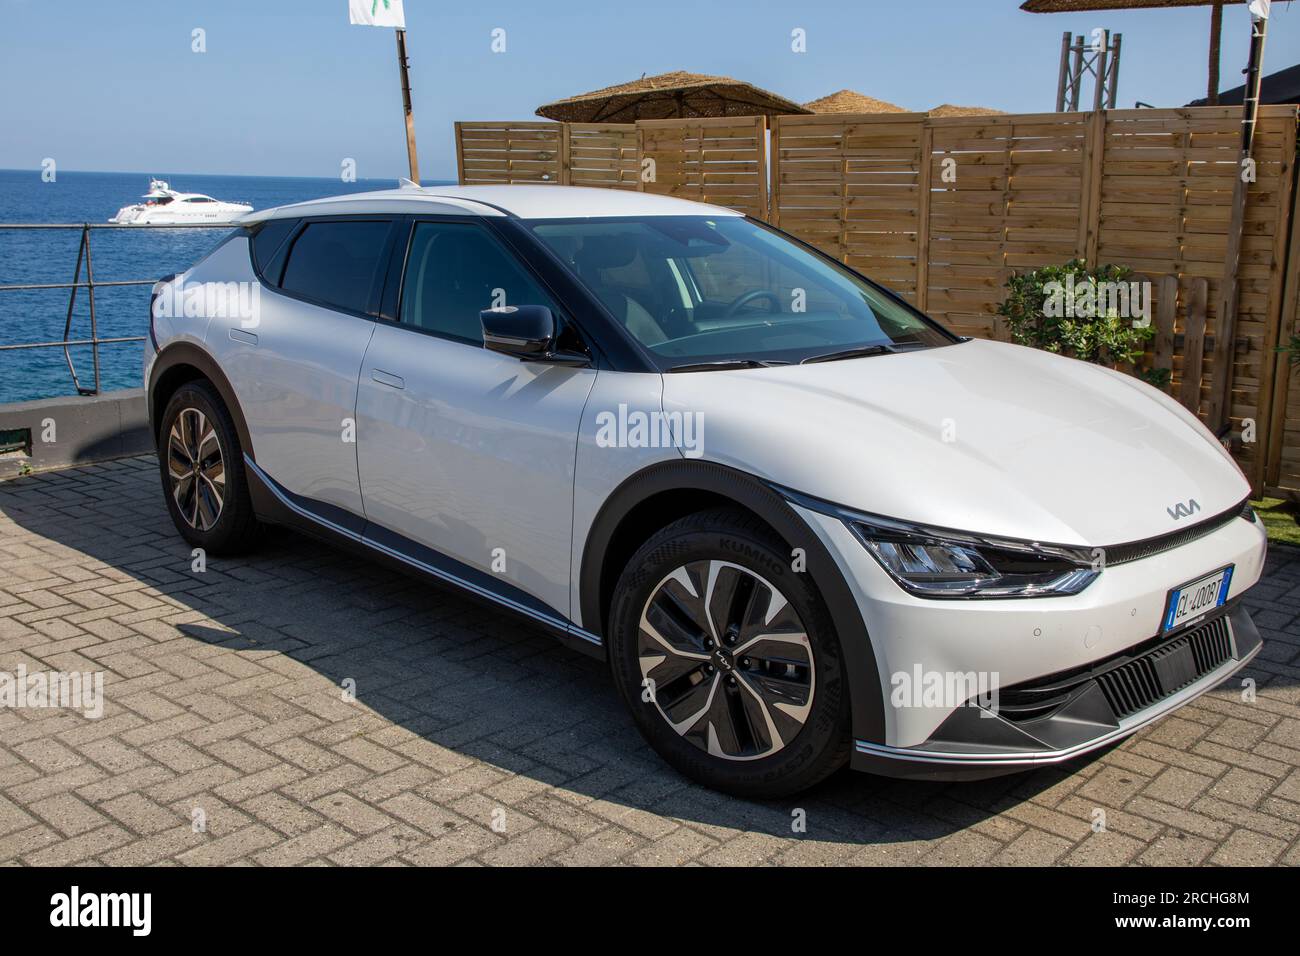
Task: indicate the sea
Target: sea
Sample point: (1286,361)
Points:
(29,257)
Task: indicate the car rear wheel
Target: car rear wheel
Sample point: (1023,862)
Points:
(727,658)
(203,476)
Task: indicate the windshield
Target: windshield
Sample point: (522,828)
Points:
(696,289)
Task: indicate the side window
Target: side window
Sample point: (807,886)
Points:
(335,262)
(454,271)
(268,240)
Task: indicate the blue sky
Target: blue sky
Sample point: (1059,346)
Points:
(288,87)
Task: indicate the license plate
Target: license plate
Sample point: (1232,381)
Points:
(1193,600)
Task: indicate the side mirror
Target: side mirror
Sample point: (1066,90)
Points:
(524,331)
(527,332)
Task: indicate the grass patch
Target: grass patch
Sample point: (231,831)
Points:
(1279,519)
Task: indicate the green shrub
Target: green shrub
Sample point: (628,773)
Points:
(1066,309)
(1292,350)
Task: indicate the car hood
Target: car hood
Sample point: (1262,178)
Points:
(980,436)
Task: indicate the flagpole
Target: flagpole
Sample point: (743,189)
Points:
(406,105)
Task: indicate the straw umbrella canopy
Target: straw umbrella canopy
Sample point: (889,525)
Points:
(948,109)
(668,95)
(1216,21)
(850,101)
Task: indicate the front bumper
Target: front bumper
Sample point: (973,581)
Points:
(1010,642)
(1077,712)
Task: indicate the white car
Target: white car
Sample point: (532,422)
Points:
(805,524)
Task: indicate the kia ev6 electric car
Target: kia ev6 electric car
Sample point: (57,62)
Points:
(804,524)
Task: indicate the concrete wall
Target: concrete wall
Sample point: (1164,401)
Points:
(85,429)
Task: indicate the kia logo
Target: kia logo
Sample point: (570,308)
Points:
(1181,510)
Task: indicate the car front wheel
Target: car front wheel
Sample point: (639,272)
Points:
(727,658)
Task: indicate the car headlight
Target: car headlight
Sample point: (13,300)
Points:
(938,563)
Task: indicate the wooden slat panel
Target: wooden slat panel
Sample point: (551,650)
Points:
(509,152)
(720,160)
(853,185)
(601,154)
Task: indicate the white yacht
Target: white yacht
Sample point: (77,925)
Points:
(162,204)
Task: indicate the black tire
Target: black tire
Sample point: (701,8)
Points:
(232,527)
(738,752)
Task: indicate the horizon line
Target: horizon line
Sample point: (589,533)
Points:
(133,172)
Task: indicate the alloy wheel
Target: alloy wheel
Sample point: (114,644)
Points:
(197,469)
(726,659)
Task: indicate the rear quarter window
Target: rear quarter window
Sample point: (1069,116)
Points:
(268,239)
(335,262)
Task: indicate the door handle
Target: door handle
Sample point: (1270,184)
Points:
(387,378)
(239,335)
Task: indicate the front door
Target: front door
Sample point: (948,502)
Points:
(468,452)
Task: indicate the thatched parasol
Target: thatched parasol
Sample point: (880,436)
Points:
(1216,21)
(948,109)
(848,101)
(667,95)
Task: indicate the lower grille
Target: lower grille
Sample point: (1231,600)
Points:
(1130,682)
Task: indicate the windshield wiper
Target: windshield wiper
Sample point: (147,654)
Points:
(860,351)
(724,364)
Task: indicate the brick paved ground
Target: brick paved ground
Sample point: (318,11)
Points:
(223,695)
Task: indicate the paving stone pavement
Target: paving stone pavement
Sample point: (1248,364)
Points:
(475,739)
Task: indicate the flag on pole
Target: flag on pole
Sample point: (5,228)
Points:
(377,13)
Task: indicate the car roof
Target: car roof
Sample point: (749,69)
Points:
(524,202)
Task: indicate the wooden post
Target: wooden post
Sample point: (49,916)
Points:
(842,185)
(460,156)
(1094,168)
(1166,317)
(1189,392)
(923,216)
(402,67)
(774,171)
(1225,335)
(1216,30)
(566,155)
(640,158)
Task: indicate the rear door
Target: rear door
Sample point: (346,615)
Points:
(461,450)
(294,366)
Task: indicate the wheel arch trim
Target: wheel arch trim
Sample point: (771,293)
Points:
(757,496)
(189,353)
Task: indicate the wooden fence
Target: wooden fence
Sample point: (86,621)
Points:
(720,160)
(717,160)
(945,210)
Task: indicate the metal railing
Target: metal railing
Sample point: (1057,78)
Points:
(90,284)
